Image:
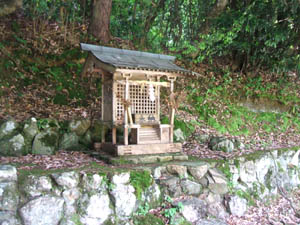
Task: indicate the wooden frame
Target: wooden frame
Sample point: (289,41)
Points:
(127,104)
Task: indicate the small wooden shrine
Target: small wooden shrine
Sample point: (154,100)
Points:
(131,84)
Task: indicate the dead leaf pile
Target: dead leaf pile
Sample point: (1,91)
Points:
(60,160)
(276,212)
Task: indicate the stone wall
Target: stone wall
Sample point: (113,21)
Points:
(215,189)
(46,136)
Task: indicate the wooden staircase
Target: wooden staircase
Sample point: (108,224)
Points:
(148,135)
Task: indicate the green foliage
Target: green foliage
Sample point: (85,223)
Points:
(143,210)
(170,211)
(42,123)
(76,219)
(248,196)
(253,34)
(186,127)
(54,10)
(140,180)
(258,33)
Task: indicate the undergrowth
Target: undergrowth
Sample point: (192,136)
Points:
(216,99)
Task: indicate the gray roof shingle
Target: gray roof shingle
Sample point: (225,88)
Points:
(121,58)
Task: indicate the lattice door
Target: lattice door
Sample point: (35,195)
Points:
(139,99)
(120,96)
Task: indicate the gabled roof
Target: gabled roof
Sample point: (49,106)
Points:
(136,60)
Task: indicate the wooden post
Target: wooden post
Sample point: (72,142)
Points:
(126,112)
(172,110)
(125,135)
(102,96)
(114,135)
(130,116)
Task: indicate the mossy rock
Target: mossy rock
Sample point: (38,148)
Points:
(69,141)
(8,129)
(140,180)
(147,219)
(86,139)
(96,130)
(45,142)
(79,126)
(14,146)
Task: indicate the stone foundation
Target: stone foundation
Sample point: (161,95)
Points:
(212,189)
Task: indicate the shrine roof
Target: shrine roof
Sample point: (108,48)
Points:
(136,60)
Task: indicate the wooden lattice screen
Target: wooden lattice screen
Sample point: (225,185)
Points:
(139,99)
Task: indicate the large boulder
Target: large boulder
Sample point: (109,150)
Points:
(190,187)
(217,182)
(14,146)
(179,170)
(9,197)
(87,139)
(29,131)
(217,176)
(30,128)
(45,142)
(123,196)
(198,172)
(69,141)
(46,210)
(217,210)
(9,218)
(193,209)
(171,186)
(79,126)
(122,178)
(71,197)
(67,180)
(221,144)
(8,128)
(95,208)
(35,186)
(92,182)
(237,206)
(8,173)
(248,172)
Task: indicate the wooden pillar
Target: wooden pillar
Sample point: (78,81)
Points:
(125,135)
(114,135)
(172,109)
(126,111)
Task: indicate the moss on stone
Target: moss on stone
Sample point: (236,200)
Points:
(76,219)
(120,161)
(283,150)
(140,180)
(147,219)
(23,174)
(247,196)
(109,222)
(50,139)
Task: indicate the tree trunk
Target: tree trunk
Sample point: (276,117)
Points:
(99,26)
